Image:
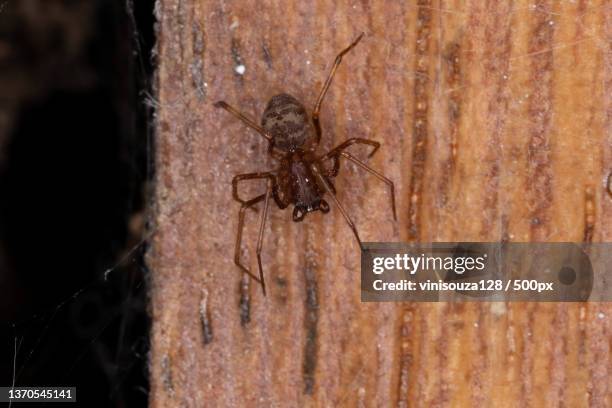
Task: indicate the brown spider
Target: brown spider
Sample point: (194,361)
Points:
(301,179)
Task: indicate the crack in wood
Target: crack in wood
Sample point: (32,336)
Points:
(589,214)
(197,65)
(405,356)
(311,318)
(266,55)
(238,62)
(497,67)
(539,179)
(419,137)
(205,320)
(245,300)
(419,156)
(166,374)
(454,78)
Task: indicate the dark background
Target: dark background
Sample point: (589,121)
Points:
(75,143)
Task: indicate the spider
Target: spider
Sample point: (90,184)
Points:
(301,179)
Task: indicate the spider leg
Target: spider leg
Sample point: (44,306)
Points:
(377,175)
(249,176)
(329,189)
(354,140)
(249,122)
(317,108)
(333,172)
(262,224)
(243,208)
(241,216)
(330,173)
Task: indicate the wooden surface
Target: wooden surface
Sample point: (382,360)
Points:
(496,124)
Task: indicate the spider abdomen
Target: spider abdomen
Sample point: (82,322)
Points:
(285,118)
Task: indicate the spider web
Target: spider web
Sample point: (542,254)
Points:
(115,336)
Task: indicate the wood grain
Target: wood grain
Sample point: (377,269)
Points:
(496,124)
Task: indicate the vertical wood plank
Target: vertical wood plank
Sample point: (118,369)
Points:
(496,124)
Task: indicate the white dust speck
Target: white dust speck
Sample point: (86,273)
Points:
(307,62)
(240,69)
(601,315)
(235,23)
(498,308)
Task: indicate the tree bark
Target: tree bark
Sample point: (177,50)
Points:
(495,120)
